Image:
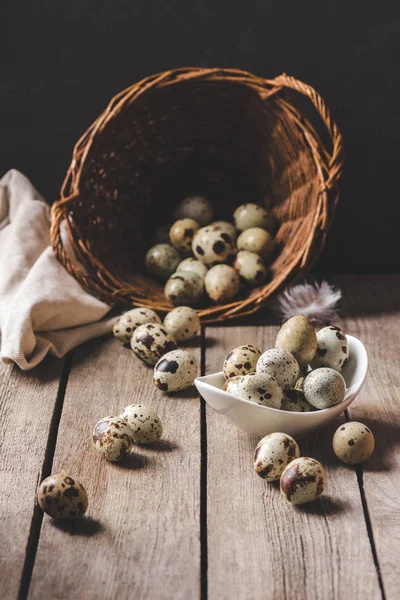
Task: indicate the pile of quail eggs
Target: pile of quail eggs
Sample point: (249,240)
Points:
(301,374)
(202,259)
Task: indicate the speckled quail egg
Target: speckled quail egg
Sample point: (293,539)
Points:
(62,497)
(182,322)
(192,264)
(129,321)
(225,227)
(279,364)
(298,337)
(332,349)
(145,423)
(113,438)
(162,233)
(182,232)
(175,371)
(303,480)
(162,260)
(241,360)
(212,246)
(353,443)
(231,384)
(253,215)
(294,401)
(273,453)
(250,267)
(324,387)
(257,240)
(151,341)
(261,389)
(195,207)
(184,288)
(222,283)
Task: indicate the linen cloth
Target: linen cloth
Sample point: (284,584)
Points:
(43,309)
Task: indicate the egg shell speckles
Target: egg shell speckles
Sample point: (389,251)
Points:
(145,423)
(192,264)
(182,322)
(294,401)
(222,283)
(195,207)
(298,337)
(324,388)
(212,246)
(241,361)
(113,438)
(281,365)
(273,453)
(332,348)
(231,384)
(182,232)
(162,260)
(353,443)
(250,267)
(303,480)
(184,288)
(261,389)
(129,321)
(62,497)
(175,371)
(225,227)
(151,341)
(253,215)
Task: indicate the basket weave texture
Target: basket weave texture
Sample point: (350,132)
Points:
(222,133)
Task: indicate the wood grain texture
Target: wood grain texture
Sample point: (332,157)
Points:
(27,402)
(376,302)
(258,545)
(141,537)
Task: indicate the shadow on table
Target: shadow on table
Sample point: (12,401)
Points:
(85,526)
(327,505)
(133,461)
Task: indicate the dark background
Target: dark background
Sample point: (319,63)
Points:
(62,61)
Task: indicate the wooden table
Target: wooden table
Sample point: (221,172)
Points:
(189,518)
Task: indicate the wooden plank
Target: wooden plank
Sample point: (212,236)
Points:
(376,302)
(141,539)
(27,405)
(261,547)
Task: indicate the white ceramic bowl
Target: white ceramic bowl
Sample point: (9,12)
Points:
(261,420)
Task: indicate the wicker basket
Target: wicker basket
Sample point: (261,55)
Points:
(222,133)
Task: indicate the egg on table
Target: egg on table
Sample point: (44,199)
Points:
(273,453)
(261,389)
(297,336)
(144,422)
(324,388)
(241,360)
(303,480)
(162,260)
(250,267)
(281,365)
(195,207)
(184,288)
(222,283)
(113,438)
(182,232)
(353,443)
(151,341)
(212,246)
(175,371)
(332,348)
(182,322)
(129,321)
(62,497)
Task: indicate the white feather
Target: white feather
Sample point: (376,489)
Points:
(317,302)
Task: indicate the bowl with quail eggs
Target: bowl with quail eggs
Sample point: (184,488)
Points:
(308,378)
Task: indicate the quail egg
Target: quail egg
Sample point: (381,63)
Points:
(261,389)
(222,283)
(184,288)
(253,215)
(162,260)
(303,480)
(241,360)
(294,401)
(273,453)
(225,227)
(113,438)
(182,322)
(250,267)
(279,364)
(151,341)
(182,232)
(353,443)
(257,240)
(195,207)
(324,388)
(212,246)
(231,384)
(175,371)
(332,349)
(145,423)
(129,321)
(192,264)
(298,337)
(62,497)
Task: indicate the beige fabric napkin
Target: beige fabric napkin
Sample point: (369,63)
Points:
(43,309)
